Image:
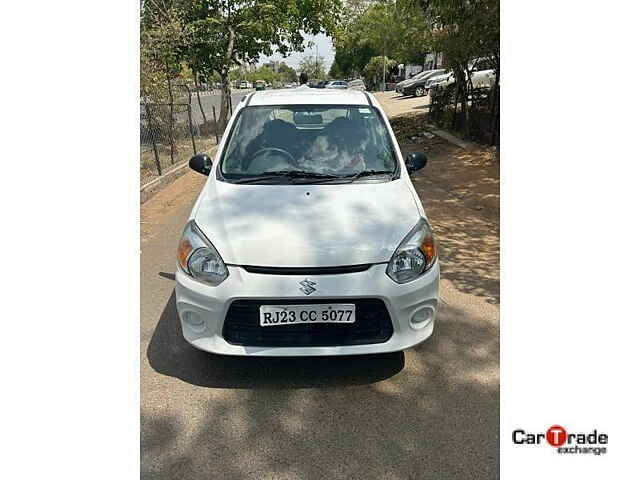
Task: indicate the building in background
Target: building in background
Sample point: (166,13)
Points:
(433,61)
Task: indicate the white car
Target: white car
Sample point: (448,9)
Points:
(485,78)
(308,237)
(441,80)
(482,73)
(337,84)
(357,85)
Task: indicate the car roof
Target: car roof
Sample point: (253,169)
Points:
(308,96)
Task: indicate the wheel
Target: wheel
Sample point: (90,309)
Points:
(419,91)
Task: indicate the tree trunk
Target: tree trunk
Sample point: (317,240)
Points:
(225,100)
(455,109)
(225,93)
(204,117)
(494,103)
(464,94)
(472,111)
(171,141)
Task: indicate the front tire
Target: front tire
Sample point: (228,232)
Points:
(419,92)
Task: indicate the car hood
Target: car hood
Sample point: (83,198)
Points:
(306,225)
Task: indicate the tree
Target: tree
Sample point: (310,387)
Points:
(313,66)
(335,72)
(287,73)
(162,38)
(228,33)
(463,31)
(392,28)
(373,72)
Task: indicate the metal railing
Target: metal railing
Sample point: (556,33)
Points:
(170,135)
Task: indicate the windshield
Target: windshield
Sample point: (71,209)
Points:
(442,77)
(322,140)
(419,76)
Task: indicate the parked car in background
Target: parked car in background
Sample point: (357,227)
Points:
(339,84)
(357,85)
(483,73)
(479,79)
(443,80)
(416,77)
(243,84)
(419,87)
(351,269)
(260,85)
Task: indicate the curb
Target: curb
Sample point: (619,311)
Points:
(150,189)
(450,138)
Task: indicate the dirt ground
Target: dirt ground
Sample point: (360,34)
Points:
(395,104)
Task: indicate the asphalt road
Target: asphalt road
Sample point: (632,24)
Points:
(431,412)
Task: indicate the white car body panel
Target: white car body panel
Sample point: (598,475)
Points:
(282,226)
(358,223)
(212,303)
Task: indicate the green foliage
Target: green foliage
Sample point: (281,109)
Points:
(394,28)
(220,35)
(162,36)
(287,73)
(313,66)
(464,30)
(226,33)
(373,70)
(335,72)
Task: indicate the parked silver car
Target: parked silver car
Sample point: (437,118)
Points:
(357,85)
(337,84)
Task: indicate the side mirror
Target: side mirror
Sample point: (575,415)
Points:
(201,163)
(415,161)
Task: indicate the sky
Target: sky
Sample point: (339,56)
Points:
(325,49)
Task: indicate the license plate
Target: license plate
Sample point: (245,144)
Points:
(273,315)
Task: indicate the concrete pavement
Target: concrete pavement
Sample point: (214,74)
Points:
(429,412)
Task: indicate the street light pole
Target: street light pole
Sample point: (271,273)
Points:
(384,67)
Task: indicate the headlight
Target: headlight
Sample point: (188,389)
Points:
(199,259)
(415,255)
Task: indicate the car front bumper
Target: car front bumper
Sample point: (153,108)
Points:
(203,308)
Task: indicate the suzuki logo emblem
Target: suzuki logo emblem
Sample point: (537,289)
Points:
(307,286)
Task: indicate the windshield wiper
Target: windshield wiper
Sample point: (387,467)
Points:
(368,173)
(286,174)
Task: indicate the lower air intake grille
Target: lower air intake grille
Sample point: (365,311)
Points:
(372,325)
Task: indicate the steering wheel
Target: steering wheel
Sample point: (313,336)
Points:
(283,153)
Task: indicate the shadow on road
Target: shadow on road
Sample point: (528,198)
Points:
(437,418)
(169,354)
(464,211)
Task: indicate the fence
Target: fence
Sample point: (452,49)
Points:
(170,135)
(481,119)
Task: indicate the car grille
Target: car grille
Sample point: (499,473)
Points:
(307,270)
(372,325)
